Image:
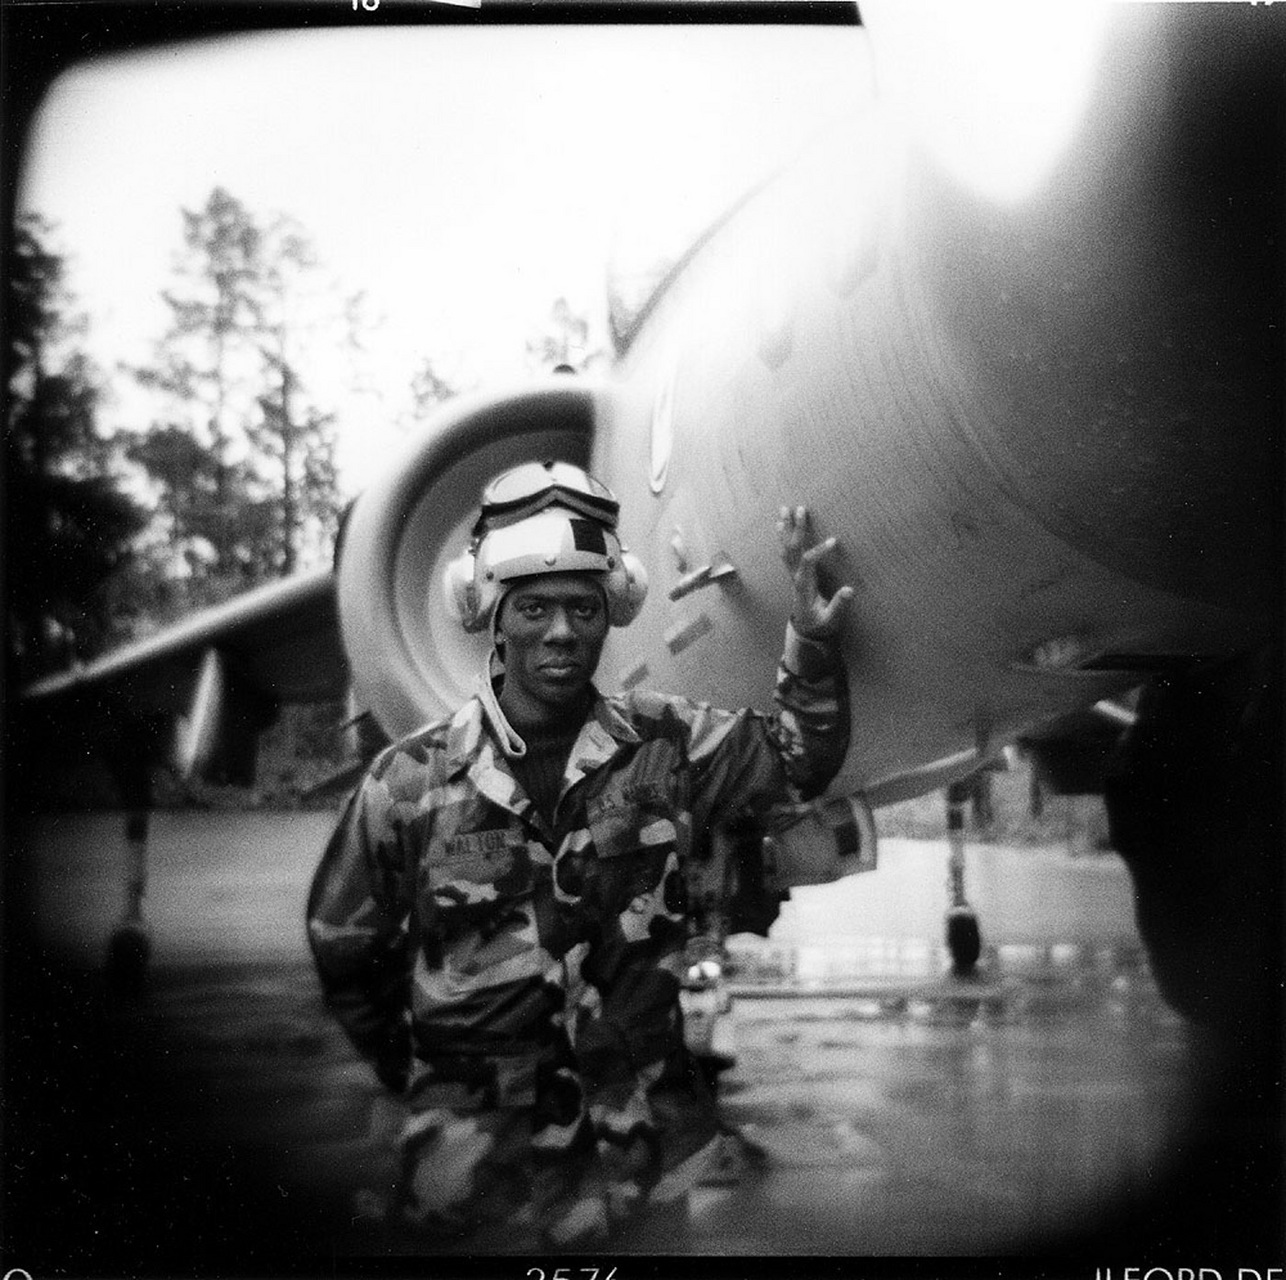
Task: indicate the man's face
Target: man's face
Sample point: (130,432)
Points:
(553,628)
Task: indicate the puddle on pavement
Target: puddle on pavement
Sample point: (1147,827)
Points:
(950,1112)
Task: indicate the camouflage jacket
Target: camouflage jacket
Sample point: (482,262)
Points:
(520,983)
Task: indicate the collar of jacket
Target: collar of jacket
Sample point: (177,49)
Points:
(469,743)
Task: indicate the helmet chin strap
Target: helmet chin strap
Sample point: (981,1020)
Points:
(511,742)
(497,639)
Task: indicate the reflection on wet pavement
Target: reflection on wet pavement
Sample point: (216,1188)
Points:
(881,1106)
(952,1115)
(883,1115)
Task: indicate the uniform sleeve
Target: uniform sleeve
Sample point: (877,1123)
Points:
(745,761)
(358,912)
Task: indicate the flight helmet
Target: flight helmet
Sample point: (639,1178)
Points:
(537,518)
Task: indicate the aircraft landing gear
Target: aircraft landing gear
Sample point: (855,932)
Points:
(130,947)
(963,936)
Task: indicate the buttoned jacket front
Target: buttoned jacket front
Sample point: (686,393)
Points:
(523,978)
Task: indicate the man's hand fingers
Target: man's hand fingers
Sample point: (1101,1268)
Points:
(835,605)
(792,527)
(814,553)
(805,567)
(814,615)
(793,521)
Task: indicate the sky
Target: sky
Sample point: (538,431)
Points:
(462,178)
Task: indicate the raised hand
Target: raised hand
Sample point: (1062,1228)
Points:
(812,614)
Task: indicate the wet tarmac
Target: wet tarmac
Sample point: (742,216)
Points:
(1052,1104)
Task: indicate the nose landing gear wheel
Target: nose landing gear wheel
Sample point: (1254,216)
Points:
(964,938)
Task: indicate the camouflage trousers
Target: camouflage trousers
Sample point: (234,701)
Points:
(507,1146)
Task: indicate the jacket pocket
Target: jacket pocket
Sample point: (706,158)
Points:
(478,884)
(636,848)
(614,829)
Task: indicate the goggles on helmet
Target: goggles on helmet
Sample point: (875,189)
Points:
(530,488)
(540,518)
(552,541)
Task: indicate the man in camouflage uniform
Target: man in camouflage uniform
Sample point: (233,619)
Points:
(501,919)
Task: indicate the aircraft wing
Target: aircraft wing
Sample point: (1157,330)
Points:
(219,675)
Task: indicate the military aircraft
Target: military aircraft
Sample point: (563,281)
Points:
(1010,335)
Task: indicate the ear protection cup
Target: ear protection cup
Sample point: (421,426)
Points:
(626,589)
(461,593)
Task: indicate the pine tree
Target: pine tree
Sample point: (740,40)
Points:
(250,491)
(69,525)
(564,342)
(294,438)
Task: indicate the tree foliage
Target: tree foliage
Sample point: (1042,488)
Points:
(429,388)
(243,453)
(293,437)
(565,342)
(69,526)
